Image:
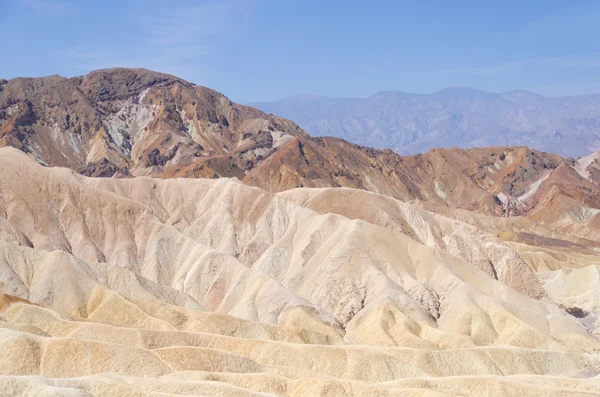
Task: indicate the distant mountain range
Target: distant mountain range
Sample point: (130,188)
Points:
(462,117)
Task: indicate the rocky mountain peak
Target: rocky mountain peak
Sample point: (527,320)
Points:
(138,122)
(121,83)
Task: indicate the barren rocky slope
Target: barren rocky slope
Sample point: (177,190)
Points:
(157,239)
(504,181)
(144,286)
(135,122)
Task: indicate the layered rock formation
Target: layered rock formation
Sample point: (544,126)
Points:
(212,287)
(309,267)
(136,122)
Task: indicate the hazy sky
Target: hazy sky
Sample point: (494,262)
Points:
(268,49)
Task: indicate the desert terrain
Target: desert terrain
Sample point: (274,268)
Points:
(157,239)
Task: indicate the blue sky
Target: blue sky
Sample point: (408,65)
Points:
(255,50)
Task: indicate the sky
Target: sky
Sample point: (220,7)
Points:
(262,50)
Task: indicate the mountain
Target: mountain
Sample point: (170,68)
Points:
(499,181)
(135,122)
(461,117)
(157,239)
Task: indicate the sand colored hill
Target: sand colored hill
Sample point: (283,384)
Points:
(166,287)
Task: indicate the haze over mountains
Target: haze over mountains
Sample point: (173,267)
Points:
(452,117)
(157,239)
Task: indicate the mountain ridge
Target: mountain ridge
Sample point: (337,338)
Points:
(410,123)
(135,122)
